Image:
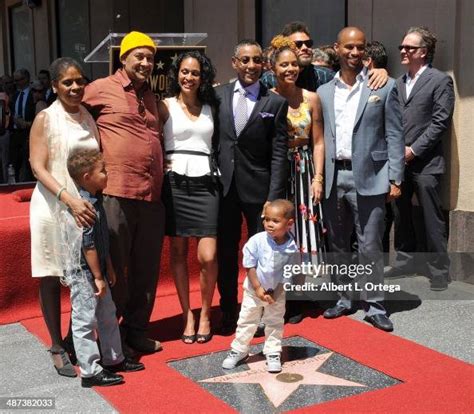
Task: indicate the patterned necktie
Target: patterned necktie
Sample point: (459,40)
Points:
(240,118)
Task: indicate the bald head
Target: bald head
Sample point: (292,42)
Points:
(349,32)
(350,47)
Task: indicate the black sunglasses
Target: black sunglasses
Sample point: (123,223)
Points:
(258,60)
(308,43)
(409,48)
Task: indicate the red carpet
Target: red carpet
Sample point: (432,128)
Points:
(432,382)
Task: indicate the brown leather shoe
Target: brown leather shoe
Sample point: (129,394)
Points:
(143,344)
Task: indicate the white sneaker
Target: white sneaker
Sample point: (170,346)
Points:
(233,358)
(273,362)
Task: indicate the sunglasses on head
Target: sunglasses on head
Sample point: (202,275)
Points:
(308,43)
(409,48)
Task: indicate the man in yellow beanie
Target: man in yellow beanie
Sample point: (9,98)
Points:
(125,110)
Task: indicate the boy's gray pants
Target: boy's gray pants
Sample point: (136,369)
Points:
(92,316)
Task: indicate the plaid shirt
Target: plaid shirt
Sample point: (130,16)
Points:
(310,78)
(97,236)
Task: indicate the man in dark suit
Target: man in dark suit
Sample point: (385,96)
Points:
(45,78)
(427,104)
(253,145)
(23,110)
(363,168)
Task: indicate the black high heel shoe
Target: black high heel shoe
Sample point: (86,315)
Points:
(188,339)
(203,338)
(67,369)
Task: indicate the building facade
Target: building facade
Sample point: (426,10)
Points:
(35,32)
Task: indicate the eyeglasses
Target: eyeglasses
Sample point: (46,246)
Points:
(258,60)
(19,79)
(409,48)
(299,43)
(37,90)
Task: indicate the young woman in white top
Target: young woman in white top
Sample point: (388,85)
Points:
(191,187)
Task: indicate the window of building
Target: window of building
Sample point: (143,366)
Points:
(21,35)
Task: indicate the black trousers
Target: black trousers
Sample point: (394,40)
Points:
(20,154)
(136,231)
(426,188)
(232,209)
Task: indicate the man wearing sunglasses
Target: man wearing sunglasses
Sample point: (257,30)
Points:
(311,77)
(253,142)
(427,105)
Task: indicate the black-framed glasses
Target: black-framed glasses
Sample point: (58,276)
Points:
(37,90)
(258,60)
(409,48)
(308,43)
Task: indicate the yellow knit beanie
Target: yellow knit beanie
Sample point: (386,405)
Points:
(135,39)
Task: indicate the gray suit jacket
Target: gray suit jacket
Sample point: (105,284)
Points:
(427,114)
(377,141)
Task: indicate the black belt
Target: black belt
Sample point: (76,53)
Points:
(212,159)
(344,164)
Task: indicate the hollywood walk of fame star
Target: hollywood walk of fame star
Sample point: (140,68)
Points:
(174,58)
(160,65)
(295,373)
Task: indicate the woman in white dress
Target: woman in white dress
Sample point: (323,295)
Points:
(57,130)
(191,188)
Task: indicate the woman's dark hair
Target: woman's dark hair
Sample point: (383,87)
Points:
(59,66)
(206,92)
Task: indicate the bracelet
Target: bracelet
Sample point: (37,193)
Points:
(318,178)
(60,191)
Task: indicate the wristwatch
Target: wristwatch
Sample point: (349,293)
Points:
(397,183)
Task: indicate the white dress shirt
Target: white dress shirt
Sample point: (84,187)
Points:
(346,102)
(251,98)
(410,82)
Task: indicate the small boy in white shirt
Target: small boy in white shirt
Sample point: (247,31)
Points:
(265,255)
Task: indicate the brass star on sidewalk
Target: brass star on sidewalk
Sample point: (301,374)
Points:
(295,373)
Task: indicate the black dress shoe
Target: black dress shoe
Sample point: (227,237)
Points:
(294,312)
(336,312)
(381,322)
(102,379)
(439,283)
(127,365)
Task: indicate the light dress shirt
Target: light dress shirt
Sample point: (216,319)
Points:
(410,82)
(269,258)
(346,102)
(252,95)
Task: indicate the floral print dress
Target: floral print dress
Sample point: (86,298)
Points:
(308,229)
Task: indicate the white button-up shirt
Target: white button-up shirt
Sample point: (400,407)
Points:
(269,258)
(346,102)
(251,98)
(410,82)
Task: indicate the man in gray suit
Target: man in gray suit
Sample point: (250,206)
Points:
(363,167)
(427,105)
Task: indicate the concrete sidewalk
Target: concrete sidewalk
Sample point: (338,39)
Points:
(26,369)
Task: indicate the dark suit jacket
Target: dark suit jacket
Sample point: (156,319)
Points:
(29,107)
(257,159)
(426,118)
